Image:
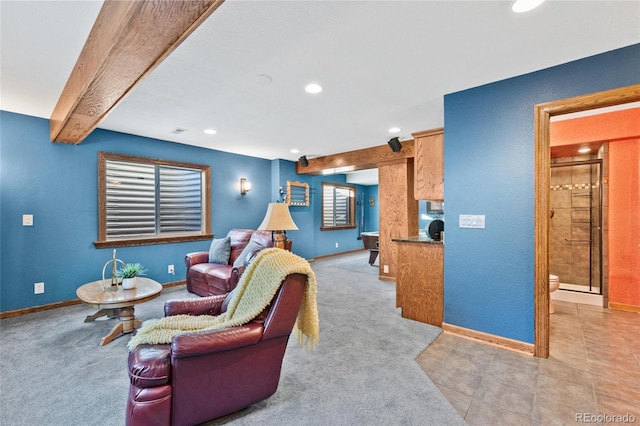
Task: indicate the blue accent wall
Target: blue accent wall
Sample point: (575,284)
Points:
(57,184)
(372,213)
(489,170)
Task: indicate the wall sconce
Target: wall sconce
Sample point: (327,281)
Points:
(245,186)
(303,161)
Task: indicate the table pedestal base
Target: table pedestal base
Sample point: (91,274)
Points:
(110,313)
(127,322)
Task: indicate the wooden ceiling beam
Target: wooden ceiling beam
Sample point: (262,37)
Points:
(128,40)
(361,159)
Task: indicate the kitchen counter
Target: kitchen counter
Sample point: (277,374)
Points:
(418,239)
(420,279)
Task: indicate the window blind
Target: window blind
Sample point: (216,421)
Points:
(146,200)
(131,199)
(336,205)
(180,200)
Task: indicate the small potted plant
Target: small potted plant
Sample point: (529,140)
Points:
(129,272)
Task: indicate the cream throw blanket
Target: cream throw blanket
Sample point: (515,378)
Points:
(256,289)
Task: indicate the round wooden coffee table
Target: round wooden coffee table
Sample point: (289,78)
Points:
(118,303)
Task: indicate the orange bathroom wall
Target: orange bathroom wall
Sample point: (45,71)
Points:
(624,222)
(609,127)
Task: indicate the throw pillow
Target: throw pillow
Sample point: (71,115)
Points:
(220,250)
(250,247)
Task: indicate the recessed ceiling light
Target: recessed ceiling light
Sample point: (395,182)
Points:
(210,131)
(584,150)
(295,151)
(313,88)
(394,130)
(520,6)
(263,79)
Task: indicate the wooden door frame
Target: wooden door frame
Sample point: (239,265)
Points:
(542,180)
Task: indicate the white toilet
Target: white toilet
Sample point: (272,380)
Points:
(554,283)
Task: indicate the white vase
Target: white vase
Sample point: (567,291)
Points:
(128,283)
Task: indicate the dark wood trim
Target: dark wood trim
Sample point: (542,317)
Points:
(352,207)
(102,155)
(151,241)
(492,339)
(128,40)
(56,305)
(543,114)
(542,207)
(102,241)
(624,307)
(361,159)
(174,284)
(41,308)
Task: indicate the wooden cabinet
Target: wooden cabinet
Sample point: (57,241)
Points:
(429,165)
(420,281)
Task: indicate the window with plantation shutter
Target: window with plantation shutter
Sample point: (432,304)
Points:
(150,201)
(180,199)
(338,206)
(130,200)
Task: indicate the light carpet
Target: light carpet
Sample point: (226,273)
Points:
(363,371)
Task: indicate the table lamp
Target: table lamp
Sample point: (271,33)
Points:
(278,221)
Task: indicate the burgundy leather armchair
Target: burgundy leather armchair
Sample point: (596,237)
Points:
(208,279)
(204,375)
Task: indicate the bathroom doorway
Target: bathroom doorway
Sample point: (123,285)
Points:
(575,243)
(542,117)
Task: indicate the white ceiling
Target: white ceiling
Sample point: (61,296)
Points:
(381,63)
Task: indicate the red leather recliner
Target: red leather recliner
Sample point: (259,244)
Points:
(204,375)
(208,279)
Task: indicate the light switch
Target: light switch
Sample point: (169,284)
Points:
(27,220)
(471,221)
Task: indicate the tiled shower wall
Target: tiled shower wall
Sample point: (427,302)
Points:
(575,202)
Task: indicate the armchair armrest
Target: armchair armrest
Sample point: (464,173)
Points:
(234,277)
(209,305)
(211,341)
(194,258)
(150,366)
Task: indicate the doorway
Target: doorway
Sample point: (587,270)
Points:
(543,114)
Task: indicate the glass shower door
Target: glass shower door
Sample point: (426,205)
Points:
(575,253)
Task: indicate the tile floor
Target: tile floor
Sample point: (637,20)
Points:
(593,368)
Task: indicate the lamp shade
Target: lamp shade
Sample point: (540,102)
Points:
(277,218)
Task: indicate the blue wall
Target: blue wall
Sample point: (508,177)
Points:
(489,169)
(57,183)
(372,214)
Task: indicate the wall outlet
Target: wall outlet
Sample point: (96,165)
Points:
(38,288)
(385,269)
(171,270)
(27,220)
(336,245)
